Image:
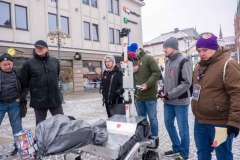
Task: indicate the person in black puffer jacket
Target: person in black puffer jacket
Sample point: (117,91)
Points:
(41,75)
(111,86)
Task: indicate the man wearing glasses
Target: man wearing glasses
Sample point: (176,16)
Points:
(41,75)
(215,100)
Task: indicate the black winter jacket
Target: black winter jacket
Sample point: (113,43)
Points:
(112,85)
(12,94)
(41,76)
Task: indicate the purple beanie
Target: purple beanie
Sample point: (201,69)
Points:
(207,40)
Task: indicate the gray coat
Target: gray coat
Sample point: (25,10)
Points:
(171,86)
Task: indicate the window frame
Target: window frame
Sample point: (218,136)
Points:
(118,7)
(113,38)
(112,8)
(26,16)
(10,16)
(96,4)
(119,38)
(89,30)
(49,13)
(85,2)
(97,26)
(67,23)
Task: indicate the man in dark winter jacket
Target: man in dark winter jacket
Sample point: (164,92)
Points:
(11,93)
(147,75)
(41,75)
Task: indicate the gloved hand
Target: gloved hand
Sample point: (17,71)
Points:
(120,91)
(162,95)
(232,130)
(23,102)
(159,95)
(166,97)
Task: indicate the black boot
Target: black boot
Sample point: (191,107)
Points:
(14,152)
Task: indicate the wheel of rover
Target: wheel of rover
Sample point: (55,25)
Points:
(150,155)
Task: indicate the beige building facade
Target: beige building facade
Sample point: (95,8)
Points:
(93,26)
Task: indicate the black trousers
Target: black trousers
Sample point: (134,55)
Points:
(41,114)
(108,110)
(114,101)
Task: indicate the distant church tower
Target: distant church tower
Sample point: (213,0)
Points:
(220,38)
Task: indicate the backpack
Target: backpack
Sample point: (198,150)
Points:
(180,78)
(224,69)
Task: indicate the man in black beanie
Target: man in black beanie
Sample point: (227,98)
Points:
(41,75)
(11,93)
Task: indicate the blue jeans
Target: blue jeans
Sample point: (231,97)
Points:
(149,108)
(204,136)
(180,112)
(13,110)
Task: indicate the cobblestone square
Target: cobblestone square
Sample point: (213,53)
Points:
(88,107)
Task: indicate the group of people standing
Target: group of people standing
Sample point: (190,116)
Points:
(40,76)
(213,84)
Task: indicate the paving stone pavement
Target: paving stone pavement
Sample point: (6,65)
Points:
(88,106)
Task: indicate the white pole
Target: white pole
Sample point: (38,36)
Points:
(126,76)
(238,55)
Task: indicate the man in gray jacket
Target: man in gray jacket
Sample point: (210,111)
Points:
(176,98)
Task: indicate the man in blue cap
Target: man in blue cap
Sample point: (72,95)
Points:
(40,74)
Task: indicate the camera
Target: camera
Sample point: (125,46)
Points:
(124,32)
(138,86)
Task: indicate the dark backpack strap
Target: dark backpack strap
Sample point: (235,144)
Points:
(180,78)
(0,80)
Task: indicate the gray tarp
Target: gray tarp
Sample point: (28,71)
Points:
(58,134)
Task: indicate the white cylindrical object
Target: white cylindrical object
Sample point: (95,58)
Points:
(238,55)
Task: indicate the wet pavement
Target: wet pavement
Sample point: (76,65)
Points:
(88,106)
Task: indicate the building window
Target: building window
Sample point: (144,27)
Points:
(94,3)
(5,16)
(111,35)
(95,32)
(92,70)
(118,40)
(85,2)
(52,22)
(110,6)
(65,24)
(87,34)
(21,17)
(116,7)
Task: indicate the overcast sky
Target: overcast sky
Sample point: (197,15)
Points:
(161,16)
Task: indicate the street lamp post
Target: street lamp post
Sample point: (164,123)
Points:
(60,36)
(187,40)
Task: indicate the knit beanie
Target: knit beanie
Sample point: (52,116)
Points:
(6,57)
(171,43)
(207,40)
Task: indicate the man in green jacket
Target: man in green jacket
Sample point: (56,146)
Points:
(147,74)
